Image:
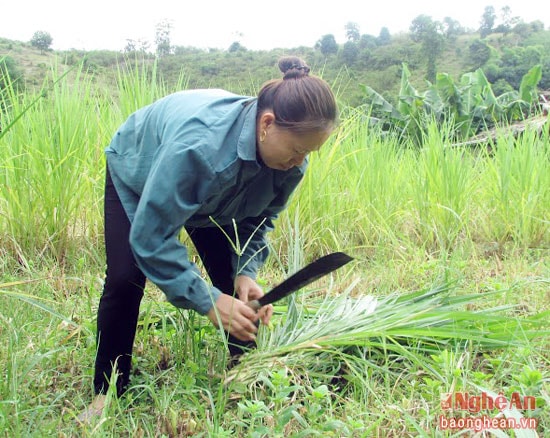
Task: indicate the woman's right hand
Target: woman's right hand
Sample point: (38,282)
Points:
(235,316)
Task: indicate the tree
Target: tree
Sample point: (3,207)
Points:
(384,37)
(350,52)
(368,42)
(515,62)
(452,28)
(487,21)
(327,45)
(162,38)
(236,47)
(480,53)
(41,40)
(507,20)
(352,32)
(525,30)
(429,34)
(133,46)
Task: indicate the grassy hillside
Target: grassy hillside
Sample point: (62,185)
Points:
(505,56)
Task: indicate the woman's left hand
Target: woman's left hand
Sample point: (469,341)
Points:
(248,290)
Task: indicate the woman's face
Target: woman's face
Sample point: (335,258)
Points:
(282,150)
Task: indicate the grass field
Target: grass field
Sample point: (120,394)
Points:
(449,292)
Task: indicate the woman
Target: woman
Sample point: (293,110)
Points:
(212,163)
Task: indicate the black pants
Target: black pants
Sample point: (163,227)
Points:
(124,284)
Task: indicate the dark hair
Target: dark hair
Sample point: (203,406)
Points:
(300,102)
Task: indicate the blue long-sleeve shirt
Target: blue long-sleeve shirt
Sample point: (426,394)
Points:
(190,159)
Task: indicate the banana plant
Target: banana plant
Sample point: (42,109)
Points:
(469,106)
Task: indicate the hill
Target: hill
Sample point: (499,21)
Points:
(375,61)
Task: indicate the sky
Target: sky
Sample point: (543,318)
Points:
(257,25)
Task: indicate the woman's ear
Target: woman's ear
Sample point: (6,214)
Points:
(266,120)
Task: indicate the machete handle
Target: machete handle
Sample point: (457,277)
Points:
(254,305)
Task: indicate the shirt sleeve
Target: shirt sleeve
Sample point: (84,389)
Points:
(253,231)
(179,180)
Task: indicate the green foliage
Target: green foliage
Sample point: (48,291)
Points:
(373,61)
(41,40)
(45,140)
(328,45)
(515,63)
(513,175)
(443,186)
(452,29)
(479,53)
(138,85)
(487,21)
(412,216)
(362,342)
(358,354)
(350,52)
(11,78)
(384,37)
(427,321)
(395,54)
(352,32)
(162,38)
(430,34)
(236,47)
(470,105)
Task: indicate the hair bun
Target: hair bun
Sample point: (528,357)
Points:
(293,67)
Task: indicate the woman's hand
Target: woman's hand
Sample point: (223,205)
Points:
(248,290)
(235,317)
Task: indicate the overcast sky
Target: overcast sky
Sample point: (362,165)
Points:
(257,25)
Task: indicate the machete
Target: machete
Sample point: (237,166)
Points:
(303,277)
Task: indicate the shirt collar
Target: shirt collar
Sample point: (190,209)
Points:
(246,145)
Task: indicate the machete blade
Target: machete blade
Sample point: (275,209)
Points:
(303,277)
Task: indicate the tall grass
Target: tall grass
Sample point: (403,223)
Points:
(377,192)
(139,84)
(515,186)
(367,191)
(51,162)
(442,189)
(354,193)
(52,158)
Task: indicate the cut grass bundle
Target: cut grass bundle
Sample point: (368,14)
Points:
(409,325)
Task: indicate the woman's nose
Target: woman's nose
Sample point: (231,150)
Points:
(299,159)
